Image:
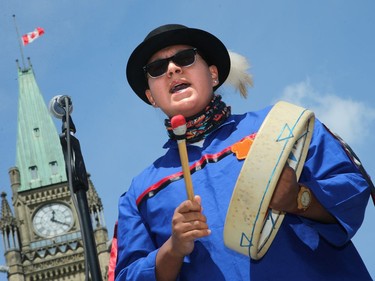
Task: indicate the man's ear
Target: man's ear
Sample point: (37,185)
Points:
(150,98)
(214,75)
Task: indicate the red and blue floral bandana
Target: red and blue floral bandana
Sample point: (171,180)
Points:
(202,124)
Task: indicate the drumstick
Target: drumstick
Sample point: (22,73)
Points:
(178,123)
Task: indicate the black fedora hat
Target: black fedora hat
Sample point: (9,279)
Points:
(213,50)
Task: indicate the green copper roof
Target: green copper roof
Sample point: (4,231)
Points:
(40,159)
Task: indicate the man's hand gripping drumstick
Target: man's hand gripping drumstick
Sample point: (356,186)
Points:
(178,123)
(188,221)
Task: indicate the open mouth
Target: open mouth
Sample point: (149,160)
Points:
(179,87)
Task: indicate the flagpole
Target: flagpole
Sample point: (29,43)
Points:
(19,42)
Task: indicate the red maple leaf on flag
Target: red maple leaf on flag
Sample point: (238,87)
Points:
(31,36)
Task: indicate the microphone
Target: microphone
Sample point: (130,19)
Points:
(57,106)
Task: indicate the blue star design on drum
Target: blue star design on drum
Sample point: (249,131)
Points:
(286,133)
(246,242)
(270,218)
(295,154)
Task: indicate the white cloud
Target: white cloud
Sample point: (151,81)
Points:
(349,118)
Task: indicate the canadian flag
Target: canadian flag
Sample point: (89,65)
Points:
(31,36)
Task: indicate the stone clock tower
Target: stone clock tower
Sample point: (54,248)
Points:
(42,238)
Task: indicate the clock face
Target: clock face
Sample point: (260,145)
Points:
(53,219)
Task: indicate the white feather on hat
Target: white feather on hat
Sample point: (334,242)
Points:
(238,76)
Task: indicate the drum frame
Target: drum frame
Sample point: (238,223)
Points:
(283,138)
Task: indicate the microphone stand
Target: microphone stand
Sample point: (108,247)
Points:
(77,179)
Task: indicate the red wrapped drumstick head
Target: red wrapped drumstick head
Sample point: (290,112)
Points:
(178,124)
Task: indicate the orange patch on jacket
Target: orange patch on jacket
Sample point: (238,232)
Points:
(241,148)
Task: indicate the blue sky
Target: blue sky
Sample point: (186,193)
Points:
(319,54)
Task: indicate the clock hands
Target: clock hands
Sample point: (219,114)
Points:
(57,221)
(60,222)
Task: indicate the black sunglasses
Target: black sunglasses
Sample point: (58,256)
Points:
(159,67)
